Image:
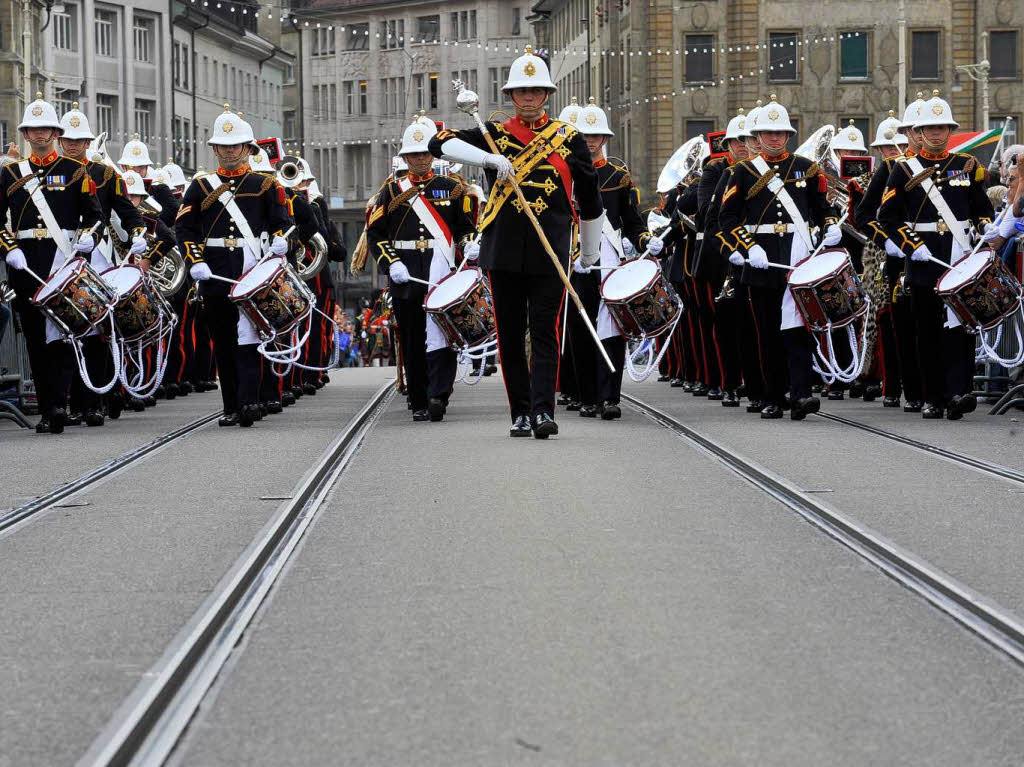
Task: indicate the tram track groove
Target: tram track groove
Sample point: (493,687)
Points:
(18,517)
(150,723)
(978,464)
(990,621)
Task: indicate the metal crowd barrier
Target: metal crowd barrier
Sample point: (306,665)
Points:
(15,379)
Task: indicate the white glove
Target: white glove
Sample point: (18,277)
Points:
(1007,225)
(471,250)
(138,246)
(85,244)
(399,273)
(200,272)
(655,246)
(499,163)
(833,235)
(921,253)
(579,267)
(279,246)
(892,250)
(736,259)
(757,258)
(16,259)
(627,247)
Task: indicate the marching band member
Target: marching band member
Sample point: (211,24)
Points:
(525,287)
(568,388)
(900,371)
(135,156)
(218,229)
(689,339)
(414,229)
(48,198)
(929,203)
(712,265)
(767,213)
(624,236)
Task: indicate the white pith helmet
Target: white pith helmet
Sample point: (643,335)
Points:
(40,114)
(133,183)
(134,154)
(936,111)
(529,71)
(888,132)
(772,117)
(737,127)
(593,120)
(175,175)
(75,124)
(571,113)
(416,137)
(913,111)
(230,129)
(260,162)
(849,139)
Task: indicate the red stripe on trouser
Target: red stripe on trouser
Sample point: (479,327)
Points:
(714,338)
(497,333)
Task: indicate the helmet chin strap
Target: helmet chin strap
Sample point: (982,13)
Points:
(540,109)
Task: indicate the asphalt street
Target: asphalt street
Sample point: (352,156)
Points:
(611,596)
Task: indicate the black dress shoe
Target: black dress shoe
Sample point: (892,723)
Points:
(817,388)
(115,404)
(490,370)
(588,411)
(436,408)
(94,418)
(160,392)
(308,388)
(962,404)
(663,379)
(716,394)
(730,399)
(228,419)
(562,400)
(689,386)
(184,389)
(325,379)
(856,390)
(912,406)
(891,402)
(149,402)
(73,419)
(318,383)
(297,392)
(574,404)
(287,398)
(931,412)
(248,415)
(804,407)
(835,394)
(544,426)
(872,392)
(261,410)
(699,389)
(755,406)
(420,415)
(58,419)
(610,411)
(43,427)
(771,412)
(676,383)
(274,406)
(209,386)
(171,391)
(520,427)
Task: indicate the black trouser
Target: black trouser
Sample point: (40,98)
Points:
(221,318)
(580,344)
(905,328)
(888,353)
(798,360)
(442,364)
(521,302)
(174,373)
(706,348)
(609,384)
(98,364)
(727,340)
(313,354)
(52,363)
(412,325)
(946,355)
(749,343)
(766,304)
(203,363)
(690,365)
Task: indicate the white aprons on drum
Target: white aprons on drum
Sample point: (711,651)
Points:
(53,333)
(790,314)
(957,253)
(610,256)
(246,330)
(439,269)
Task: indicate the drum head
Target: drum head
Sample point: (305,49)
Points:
(59,279)
(257,277)
(627,281)
(451,289)
(123,279)
(822,265)
(964,272)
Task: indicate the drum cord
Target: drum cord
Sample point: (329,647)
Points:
(137,388)
(989,350)
(479,352)
(641,374)
(83,372)
(832,371)
(289,355)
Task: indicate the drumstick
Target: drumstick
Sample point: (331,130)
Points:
(422,282)
(223,279)
(943,264)
(787,267)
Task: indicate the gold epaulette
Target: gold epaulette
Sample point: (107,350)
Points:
(211,198)
(77,175)
(402,198)
(268,183)
(760,184)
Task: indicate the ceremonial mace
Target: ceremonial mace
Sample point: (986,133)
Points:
(468,102)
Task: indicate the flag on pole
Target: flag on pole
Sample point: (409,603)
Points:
(979,144)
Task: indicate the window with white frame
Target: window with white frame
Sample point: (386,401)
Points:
(323,41)
(143,32)
(105,25)
(63,98)
(144,110)
(65,32)
(392,34)
(106,114)
(180,64)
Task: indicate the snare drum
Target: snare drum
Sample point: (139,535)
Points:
(461,306)
(980,290)
(827,291)
(640,299)
(139,306)
(75,298)
(273,297)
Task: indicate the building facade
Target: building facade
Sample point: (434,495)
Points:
(368,67)
(666,71)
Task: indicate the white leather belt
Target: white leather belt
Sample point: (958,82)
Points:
(225,242)
(700,236)
(939,226)
(779,228)
(40,234)
(420,244)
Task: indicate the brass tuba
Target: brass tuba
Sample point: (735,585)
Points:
(168,274)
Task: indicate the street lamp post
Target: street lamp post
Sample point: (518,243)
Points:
(979,73)
(26,48)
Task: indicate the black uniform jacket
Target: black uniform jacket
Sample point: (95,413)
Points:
(169,202)
(681,264)
(620,198)
(202,216)
(960,179)
(393,220)
(708,262)
(112,196)
(747,201)
(71,195)
(865,215)
(509,241)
